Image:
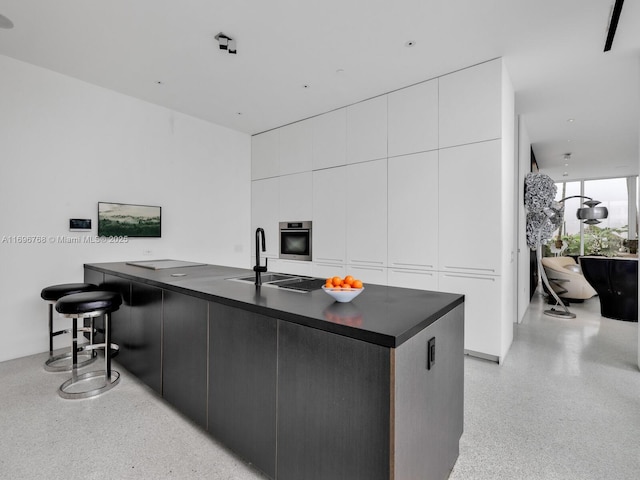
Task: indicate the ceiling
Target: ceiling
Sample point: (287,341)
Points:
(298,58)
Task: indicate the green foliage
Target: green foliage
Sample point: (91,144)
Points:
(597,241)
(143,228)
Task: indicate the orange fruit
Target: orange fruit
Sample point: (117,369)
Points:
(337,281)
(357,284)
(348,280)
(346,286)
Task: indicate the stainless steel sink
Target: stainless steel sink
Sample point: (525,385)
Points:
(266,278)
(294,283)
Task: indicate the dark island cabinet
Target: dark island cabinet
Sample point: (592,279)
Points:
(184,354)
(243,350)
(144,343)
(120,319)
(333,406)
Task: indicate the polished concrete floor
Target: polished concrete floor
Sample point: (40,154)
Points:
(564,405)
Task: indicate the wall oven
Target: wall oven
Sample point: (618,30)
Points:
(295,241)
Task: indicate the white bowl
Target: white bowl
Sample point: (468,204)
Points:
(342,296)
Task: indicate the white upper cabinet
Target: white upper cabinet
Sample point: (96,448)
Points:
(413,211)
(330,139)
(470,104)
(366,203)
(330,215)
(265,154)
(264,214)
(470,212)
(367,130)
(295,197)
(296,147)
(413,119)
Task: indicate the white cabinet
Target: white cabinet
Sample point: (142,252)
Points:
(366,204)
(377,275)
(330,139)
(367,130)
(265,154)
(482,311)
(326,270)
(264,214)
(413,119)
(330,215)
(413,211)
(470,208)
(406,278)
(470,104)
(295,147)
(293,267)
(295,199)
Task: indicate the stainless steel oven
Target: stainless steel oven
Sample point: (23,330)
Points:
(295,241)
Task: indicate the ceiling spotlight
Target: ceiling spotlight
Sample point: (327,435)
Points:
(226,43)
(571,120)
(567,157)
(409,43)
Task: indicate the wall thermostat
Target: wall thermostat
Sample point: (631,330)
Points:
(79,224)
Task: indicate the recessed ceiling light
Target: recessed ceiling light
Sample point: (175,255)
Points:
(238,113)
(410,43)
(340,70)
(5,22)
(571,120)
(158,82)
(565,174)
(306,86)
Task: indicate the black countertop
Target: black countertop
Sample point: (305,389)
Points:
(382,315)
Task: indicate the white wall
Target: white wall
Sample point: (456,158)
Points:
(65,145)
(524,267)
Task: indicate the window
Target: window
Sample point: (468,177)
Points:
(605,238)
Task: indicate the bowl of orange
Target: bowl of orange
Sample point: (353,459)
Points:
(343,290)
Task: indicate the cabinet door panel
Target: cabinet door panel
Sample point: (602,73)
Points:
(470,107)
(184,367)
(330,215)
(242,384)
(367,213)
(367,130)
(419,279)
(295,199)
(413,211)
(145,339)
(333,406)
(470,216)
(295,147)
(264,214)
(330,139)
(120,319)
(265,154)
(413,119)
(482,310)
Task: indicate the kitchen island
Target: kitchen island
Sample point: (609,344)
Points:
(296,384)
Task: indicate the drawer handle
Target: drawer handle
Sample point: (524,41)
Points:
(469,276)
(471,268)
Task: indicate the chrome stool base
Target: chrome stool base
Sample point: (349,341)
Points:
(108,384)
(67,358)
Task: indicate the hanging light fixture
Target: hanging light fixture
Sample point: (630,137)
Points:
(591,215)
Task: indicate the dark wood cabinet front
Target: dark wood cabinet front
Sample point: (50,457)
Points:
(184,367)
(242,383)
(144,343)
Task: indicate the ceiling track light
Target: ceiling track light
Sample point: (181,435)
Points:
(226,43)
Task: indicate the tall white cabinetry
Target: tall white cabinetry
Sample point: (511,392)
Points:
(413,220)
(413,188)
(367,220)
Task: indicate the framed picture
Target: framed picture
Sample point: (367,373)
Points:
(121,219)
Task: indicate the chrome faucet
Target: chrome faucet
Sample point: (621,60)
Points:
(257,268)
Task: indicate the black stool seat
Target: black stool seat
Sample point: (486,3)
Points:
(56,292)
(88,305)
(89,302)
(53,293)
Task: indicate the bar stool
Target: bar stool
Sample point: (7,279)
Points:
(53,293)
(90,305)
